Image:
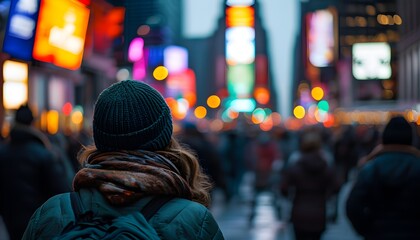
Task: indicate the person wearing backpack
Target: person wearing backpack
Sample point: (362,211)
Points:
(135,163)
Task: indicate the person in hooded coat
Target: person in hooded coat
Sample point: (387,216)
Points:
(384,201)
(310,181)
(134,160)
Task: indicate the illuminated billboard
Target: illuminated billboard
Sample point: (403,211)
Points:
(240,45)
(240,53)
(175,59)
(321,38)
(371,61)
(15,86)
(182,85)
(61,32)
(240,80)
(20,28)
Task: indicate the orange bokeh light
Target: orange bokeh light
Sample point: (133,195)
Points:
(262,95)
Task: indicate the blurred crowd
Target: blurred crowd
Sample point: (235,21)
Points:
(307,166)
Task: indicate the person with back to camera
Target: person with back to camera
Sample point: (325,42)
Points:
(29,173)
(310,181)
(135,160)
(384,201)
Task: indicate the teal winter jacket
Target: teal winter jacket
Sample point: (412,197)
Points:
(178,219)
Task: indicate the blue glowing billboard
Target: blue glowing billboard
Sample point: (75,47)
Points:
(20,28)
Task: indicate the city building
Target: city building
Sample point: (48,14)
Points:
(409,52)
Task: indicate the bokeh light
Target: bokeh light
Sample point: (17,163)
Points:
(160,73)
(52,121)
(267,125)
(258,116)
(213,101)
(77,117)
(317,93)
(67,108)
(262,95)
(299,112)
(323,105)
(200,112)
(123,74)
(276,117)
(143,30)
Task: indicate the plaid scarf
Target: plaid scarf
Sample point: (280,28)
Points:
(124,178)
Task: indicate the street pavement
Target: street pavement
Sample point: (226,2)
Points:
(270,223)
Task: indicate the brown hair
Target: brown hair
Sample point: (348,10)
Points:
(186,162)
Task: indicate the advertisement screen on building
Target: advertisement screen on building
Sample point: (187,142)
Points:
(371,61)
(20,28)
(61,32)
(321,38)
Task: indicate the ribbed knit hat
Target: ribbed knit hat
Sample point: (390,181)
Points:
(398,131)
(131,115)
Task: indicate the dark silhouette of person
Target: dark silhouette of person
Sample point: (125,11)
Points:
(207,154)
(345,153)
(384,201)
(29,173)
(310,181)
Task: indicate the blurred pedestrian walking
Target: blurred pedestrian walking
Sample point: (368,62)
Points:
(265,153)
(209,157)
(309,182)
(135,161)
(384,201)
(346,153)
(233,149)
(29,173)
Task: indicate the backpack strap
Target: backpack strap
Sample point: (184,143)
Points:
(79,211)
(154,205)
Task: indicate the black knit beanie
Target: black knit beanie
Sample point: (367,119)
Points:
(398,131)
(131,115)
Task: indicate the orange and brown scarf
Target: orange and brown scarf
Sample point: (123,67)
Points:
(124,177)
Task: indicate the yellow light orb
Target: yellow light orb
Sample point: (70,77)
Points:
(317,93)
(213,101)
(200,112)
(299,112)
(160,73)
(77,117)
(52,121)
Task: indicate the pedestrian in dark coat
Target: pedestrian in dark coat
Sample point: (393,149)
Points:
(29,174)
(207,154)
(135,159)
(310,181)
(384,201)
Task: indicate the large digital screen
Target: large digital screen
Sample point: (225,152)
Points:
(371,61)
(20,28)
(240,80)
(240,45)
(321,38)
(61,32)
